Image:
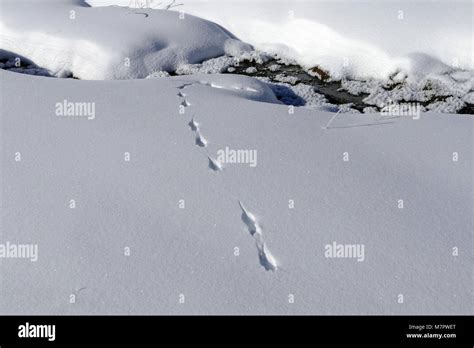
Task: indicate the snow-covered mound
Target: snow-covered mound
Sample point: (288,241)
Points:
(138,203)
(71,38)
(350,39)
(237,85)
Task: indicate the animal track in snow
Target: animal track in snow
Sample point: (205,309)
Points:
(265,257)
(249,219)
(193,124)
(200,140)
(183,86)
(214,164)
(146,15)
(185,103)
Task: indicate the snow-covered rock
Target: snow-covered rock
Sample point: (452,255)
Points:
(240,86)
(69,37)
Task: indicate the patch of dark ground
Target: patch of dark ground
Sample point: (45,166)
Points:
(279,72)
(22,65)
(467,109)
(294,74)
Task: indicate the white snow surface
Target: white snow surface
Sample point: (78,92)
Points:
(233,238)
(190,250)
(69,37)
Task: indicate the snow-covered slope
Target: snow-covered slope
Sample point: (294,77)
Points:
(179,214)
(68,37)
